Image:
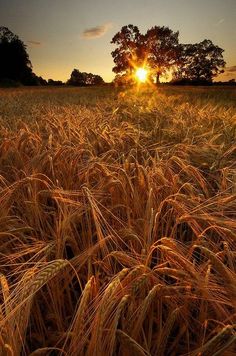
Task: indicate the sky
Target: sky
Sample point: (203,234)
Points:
(65,34)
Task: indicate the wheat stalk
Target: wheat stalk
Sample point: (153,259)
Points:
(219,343)
(227,276)
(131,344)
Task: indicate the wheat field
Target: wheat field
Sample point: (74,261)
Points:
(118,221)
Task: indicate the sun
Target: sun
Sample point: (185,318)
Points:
(141,74)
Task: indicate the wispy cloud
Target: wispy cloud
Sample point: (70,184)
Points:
(97,31)
(230,72)
(231,69)
(218,23)
(35,43)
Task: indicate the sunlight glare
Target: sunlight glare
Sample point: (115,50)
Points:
(141,74)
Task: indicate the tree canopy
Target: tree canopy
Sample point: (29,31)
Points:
(162,48)
(14,59)
(200,62)
(130,49)
(160,52)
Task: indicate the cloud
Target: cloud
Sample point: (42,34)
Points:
(96,32)
(220,22)
(230,72)
(231,69)
(35,43)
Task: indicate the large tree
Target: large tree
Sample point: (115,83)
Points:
(158,49)
(200,62)
(163,49)
(14,60)
(130,49)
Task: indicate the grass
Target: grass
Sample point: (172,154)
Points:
(117,221)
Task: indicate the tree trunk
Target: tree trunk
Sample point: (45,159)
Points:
(157,78)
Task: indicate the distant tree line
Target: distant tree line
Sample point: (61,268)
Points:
(16,67)
(159,51)
(78,78)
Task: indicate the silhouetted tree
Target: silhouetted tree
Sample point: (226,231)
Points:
(97,80)
(41,81)
(200,62)
(158,49)
(78,78)
(162,48)
(55,82)
(14,60)
(130,49)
